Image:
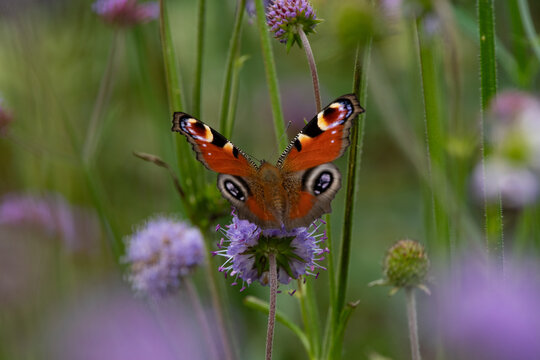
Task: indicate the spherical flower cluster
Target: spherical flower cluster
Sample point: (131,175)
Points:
(405,266)
(286,17)
(160,253)
(126,12)
(246,248)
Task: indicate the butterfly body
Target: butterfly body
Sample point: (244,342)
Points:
(295,191)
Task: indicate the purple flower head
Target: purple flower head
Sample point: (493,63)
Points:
(250,6)
(517,185)
(126,13)
(286,17)
(485,314)
(5,119)
(246,248)
(160,253)
(514,120)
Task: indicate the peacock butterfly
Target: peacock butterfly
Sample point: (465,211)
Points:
(295,191)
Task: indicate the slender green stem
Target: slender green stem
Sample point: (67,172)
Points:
(190,171)
(434,133)
(263,306)
(529,26)
(361,68)
(271,75)
(488,79)
(235,88)
(272,308)
(312,67)
(413,323)
(234,44)
(196,106)
(301,296)
(201,316)
(101,100)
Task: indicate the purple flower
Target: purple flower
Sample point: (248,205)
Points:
(246,248)
(517,185)
(51,215)
(486,314)
(126,12)
(160,253)
(107,323)
(5,119)
(286,17)
(250,6)
(514,124)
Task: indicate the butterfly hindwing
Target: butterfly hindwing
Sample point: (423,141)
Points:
(213,149)
(325,138)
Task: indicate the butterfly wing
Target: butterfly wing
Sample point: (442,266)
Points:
(324,139)
(305,164)
(213,149)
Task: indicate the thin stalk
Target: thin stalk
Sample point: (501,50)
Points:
(235,88)
(488,78)
(101,100)
(434,135)
(312,67)
(528,26)
(361,68)
(272,309)
(201,316)
(413,323)
(196,106)
(224,120)
(271,75)
(263,306)
(301,295)
(326,341)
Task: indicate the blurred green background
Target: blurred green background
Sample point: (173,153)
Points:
(52,58)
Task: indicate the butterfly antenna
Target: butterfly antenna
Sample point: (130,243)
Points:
(284,135)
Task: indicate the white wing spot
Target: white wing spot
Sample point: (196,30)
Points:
(332,141)
(204,145)
(209,154)
(334,131)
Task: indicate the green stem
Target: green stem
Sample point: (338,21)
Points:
(488,78)
(312,67)
(301,295)
(196,108)
(101,100)
(272,308)
(357,138)
(271,75)
(434,132)
(225,122)
(413,323)
(528,26)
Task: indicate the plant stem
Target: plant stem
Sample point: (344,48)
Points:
(529,26)
(413,323)
(101,100)
(312,67)
(196,106)
(271,75)
(201,316)
(224,120)
(272,308)
(488,78)
(434,137)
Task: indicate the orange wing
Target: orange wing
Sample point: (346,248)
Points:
(213,149)
(324,138)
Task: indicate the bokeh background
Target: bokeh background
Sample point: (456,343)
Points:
(62,294)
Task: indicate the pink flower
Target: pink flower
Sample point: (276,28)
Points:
(126,13)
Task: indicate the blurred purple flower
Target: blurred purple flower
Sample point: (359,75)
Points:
(250,6)
(489,315)
(285,17)
(246,248)
(514,123)
(5,119)
(53,215)
(126,12)
(160,253)
(517,185)
(107,323)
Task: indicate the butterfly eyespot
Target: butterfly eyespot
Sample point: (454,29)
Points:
(234,190)
(322,183)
